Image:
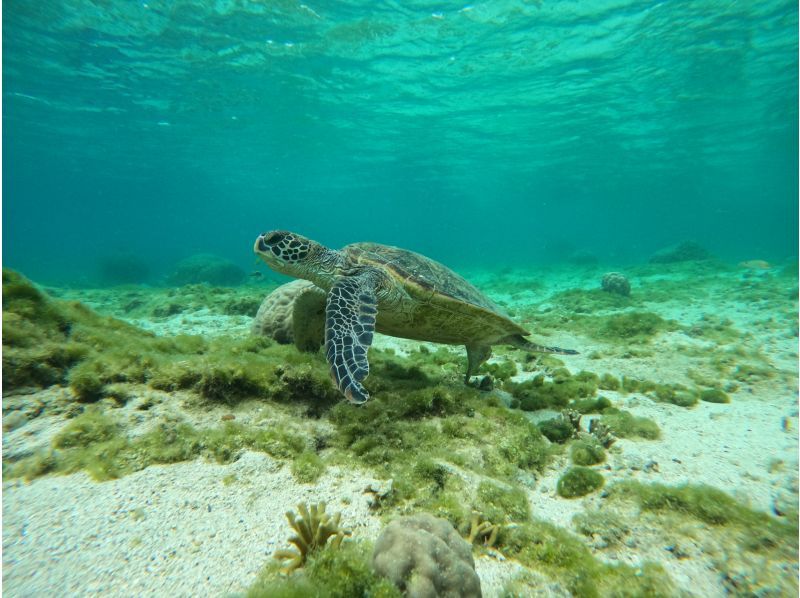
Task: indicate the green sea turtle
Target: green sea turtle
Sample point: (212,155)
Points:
(367,287)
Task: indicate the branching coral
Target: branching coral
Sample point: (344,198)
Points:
(314,528)
(602,432)
(484,531)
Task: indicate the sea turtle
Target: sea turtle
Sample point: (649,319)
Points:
(368,287)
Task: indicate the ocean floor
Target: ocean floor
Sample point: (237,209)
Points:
(161,459)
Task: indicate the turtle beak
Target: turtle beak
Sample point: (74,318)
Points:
(260,246)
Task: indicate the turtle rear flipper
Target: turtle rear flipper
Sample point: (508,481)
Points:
(520,342)
(349,325)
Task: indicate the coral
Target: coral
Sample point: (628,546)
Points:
(483,531)
(616,283)
(579,481)
(275,316)
(682,252)
(425,558)
(205,268)
(313,528)
(602,433)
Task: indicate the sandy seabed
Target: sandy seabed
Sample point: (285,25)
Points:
(178,530)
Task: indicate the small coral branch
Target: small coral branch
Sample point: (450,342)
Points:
(574,419)
(482,530)
(602,432)
(314,527)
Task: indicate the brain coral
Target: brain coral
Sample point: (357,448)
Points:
(426,558)
(276,316)
(614,282)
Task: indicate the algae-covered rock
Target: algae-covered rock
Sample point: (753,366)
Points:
(714,395)
(207,268)
(426,558)
(122,268)
(682,252)
(587,450)
(37,350)
(626,425)
(579,481)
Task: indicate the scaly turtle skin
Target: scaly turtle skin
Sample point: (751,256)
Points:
(369,287)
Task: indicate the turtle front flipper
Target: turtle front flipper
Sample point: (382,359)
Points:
(349,325)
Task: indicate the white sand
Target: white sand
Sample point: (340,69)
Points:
(167,530)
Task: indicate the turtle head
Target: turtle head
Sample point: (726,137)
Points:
(290,253)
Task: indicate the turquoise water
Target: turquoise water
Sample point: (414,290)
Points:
(505,132)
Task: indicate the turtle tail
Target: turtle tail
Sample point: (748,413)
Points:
(520,342)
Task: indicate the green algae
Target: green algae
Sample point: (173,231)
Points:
(94,442)
(677,394)
(619,328)
(604,524)
(539,393)
(630,327)
(706,504)
(586,451)
(579,481)
(430,471)
(580,301)
(754,547)
(591,405)
(499,504)
(438,423)
(714,395)
(342,572)
(307,467)
(609,382)
(554,551)
(49,342)
(557,429)
(91,427)
(626,425)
